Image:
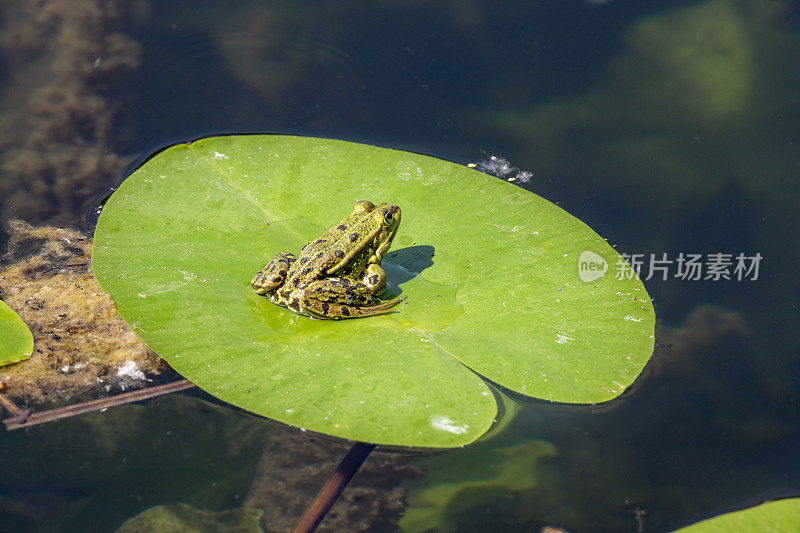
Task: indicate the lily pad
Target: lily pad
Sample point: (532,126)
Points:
(490,271)
(776,516)
(16,340)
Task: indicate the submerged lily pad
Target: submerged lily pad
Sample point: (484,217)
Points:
(495,474)
(16,340)
(490,272)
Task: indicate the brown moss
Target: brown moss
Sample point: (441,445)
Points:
(56,122)
(80,342)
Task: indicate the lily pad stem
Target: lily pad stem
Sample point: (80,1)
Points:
(334,487)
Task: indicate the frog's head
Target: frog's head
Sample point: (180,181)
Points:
(386,218)
(364,237)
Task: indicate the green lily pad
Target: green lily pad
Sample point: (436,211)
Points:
(490,272)
(777,517)
(16,340)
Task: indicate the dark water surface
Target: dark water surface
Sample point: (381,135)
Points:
(668,130)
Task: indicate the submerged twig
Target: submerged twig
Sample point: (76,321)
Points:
(92,405)
(334,487)
(10,406)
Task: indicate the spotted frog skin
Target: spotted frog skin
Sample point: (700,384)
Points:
(338,274)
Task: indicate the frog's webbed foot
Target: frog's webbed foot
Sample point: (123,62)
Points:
(325,310)
(273,275)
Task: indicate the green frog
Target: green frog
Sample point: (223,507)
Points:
(338,275)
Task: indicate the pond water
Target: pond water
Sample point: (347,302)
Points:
(671,131)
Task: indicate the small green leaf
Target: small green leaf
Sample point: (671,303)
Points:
(780,516)
(490,272)
(16,340)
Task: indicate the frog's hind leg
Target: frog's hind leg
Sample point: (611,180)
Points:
(336,311)
(273,275)
(342,298)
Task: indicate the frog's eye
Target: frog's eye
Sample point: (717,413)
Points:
(388,218)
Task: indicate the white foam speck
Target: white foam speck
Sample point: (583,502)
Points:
(502,168)
(129,369)
(444,423)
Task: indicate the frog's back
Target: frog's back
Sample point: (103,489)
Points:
(339,238)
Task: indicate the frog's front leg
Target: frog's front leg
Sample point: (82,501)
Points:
(374,278)
(340,298)
(273,275)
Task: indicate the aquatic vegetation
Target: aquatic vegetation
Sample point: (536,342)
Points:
(57,133)
(490,271)
(496,474)
(682,102)
(80,342)
(704,327)
(183,517)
